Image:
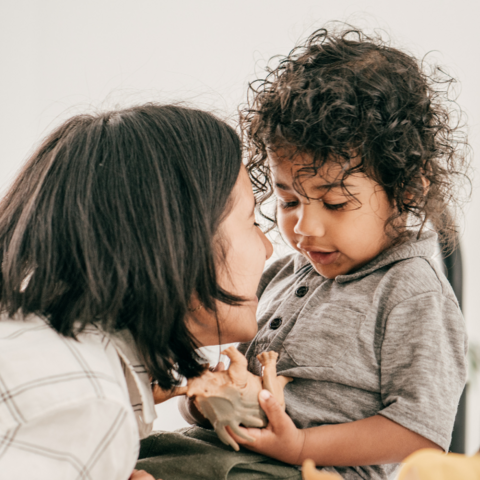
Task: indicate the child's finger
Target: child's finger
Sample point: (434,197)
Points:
(242,433)
(251,433)
(277,418)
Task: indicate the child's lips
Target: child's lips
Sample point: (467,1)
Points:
(323,258)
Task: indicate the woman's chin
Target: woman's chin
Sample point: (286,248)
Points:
(248,324)
(247,337)
(245,334)
(239,324)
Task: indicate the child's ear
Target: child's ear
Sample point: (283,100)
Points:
(426,186)
(425,183)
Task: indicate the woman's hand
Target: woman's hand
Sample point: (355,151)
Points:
(281,439)
(140,475)
(160,396)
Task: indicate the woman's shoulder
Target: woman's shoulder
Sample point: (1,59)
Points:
(42,371)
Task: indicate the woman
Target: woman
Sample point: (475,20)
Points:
(127,241)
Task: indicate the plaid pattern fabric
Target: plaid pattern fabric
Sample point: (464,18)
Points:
(70,409)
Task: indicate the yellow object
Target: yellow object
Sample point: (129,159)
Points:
(309,472)
(430,464)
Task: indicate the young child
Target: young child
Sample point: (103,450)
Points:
(354,141)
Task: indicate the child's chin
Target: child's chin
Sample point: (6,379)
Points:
(329,273)
(329,276)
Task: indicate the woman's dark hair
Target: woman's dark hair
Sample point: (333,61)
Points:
(113,221)
(352,99)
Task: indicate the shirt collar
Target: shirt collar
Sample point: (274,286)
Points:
(423,246)
(138,380)
(300,263)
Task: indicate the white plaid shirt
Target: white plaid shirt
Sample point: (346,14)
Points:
(70,410)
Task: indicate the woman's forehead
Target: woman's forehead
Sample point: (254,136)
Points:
(242,192)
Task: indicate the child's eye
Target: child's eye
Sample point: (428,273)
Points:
(286,205)
(335,206)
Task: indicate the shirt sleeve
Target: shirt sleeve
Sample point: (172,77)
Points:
(95,439)
(423,365)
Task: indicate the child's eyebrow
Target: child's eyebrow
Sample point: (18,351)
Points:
(324,186)
(329,186)
(282,186)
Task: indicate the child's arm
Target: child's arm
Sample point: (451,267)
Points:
(374,440)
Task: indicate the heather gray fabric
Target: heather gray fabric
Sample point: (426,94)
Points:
(388,339)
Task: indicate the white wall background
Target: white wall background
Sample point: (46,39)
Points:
(60,57)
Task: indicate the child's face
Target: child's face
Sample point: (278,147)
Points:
(337,233)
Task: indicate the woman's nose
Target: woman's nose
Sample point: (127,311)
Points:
(310,222)
(267,243)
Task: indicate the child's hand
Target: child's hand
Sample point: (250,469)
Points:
(281,439)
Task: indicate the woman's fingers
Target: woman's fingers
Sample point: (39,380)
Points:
(220,367)
(160,396)
(141,475)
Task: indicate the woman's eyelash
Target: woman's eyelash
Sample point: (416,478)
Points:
(255,224)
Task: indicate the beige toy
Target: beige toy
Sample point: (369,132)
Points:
(430,464)
(230,397)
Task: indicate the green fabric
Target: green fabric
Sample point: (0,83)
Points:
(197,454)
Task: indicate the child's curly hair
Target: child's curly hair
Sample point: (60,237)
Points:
(353,99)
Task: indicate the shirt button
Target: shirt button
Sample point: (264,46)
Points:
(301,291)
(275,323)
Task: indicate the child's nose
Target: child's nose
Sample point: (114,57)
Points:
(310,222)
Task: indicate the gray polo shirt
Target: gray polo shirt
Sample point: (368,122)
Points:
(387,339)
